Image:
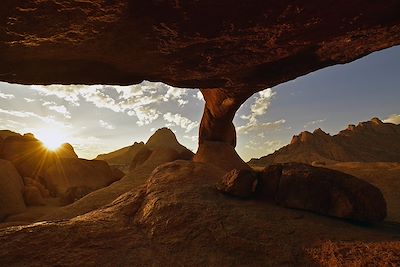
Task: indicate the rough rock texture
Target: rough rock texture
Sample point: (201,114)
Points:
(238,183)
(75,193)
(321,190)
(77,172)
(140,157)
(219,154)
(192,225)
(236,48)
(32,196)
(32,182)
(122,156)
(29,155)
(133,156)
(11,186)
(370,141)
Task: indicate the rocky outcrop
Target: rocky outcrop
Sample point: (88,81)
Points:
(234,49)
(371,141)
(323,191)
(219,154)
(77,172)
(33,196)
(177,216)
(11,187)
(131,157)
(122,156)
(239,183)
(302,186)
(30,156)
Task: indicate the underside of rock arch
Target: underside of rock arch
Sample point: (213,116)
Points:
(228,50)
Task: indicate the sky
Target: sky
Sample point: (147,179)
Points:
(102,118)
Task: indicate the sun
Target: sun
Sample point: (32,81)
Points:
(52,139)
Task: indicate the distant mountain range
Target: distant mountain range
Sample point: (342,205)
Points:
(371,141)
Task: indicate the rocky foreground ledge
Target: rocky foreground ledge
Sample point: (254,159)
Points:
(178,218)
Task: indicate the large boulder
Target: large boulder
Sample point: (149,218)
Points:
(240,183)
(33,196)
(72,172)
(11,187)
(321,190)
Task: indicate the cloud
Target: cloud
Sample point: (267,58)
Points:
(311,123)
(180,121)
(199,96)
(259,149)
(26,114)
(139,100)
(145,115)
(254,126)
(394,118)
(58,108)
(106,125)
(6,96)
(261,104)
(29,100)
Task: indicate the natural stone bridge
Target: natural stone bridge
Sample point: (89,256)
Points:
(228,50)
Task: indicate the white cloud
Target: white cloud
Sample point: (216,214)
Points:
(261,103)
(145,115)
(191,137)
(58,108)
(394,118)
(199,96)
(311,123)
(106,125)
(26,114)
(29,100)
(259,149)
(260,127)
(6,96)
(141,100)
(180,121)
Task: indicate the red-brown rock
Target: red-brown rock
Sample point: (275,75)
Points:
(238,183)
(324,191)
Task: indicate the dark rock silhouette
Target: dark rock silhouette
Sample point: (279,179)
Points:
(30,156)
(137,154)
(11,188)
(316,189)
(371,141)
(321,190)
(72,172)
(237,50)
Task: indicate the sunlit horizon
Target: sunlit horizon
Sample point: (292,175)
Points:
(97,119)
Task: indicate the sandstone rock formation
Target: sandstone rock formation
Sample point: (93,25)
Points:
(77,172)
(238,183)
(138,153)
(11,187)
(302,186)
(192,225)
(323,191)
(33,196)
(30,156)
(122,156)
(219,154)
(236,49)
(371,141)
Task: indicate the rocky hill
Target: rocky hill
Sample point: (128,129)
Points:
(163,138)
(371,141)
